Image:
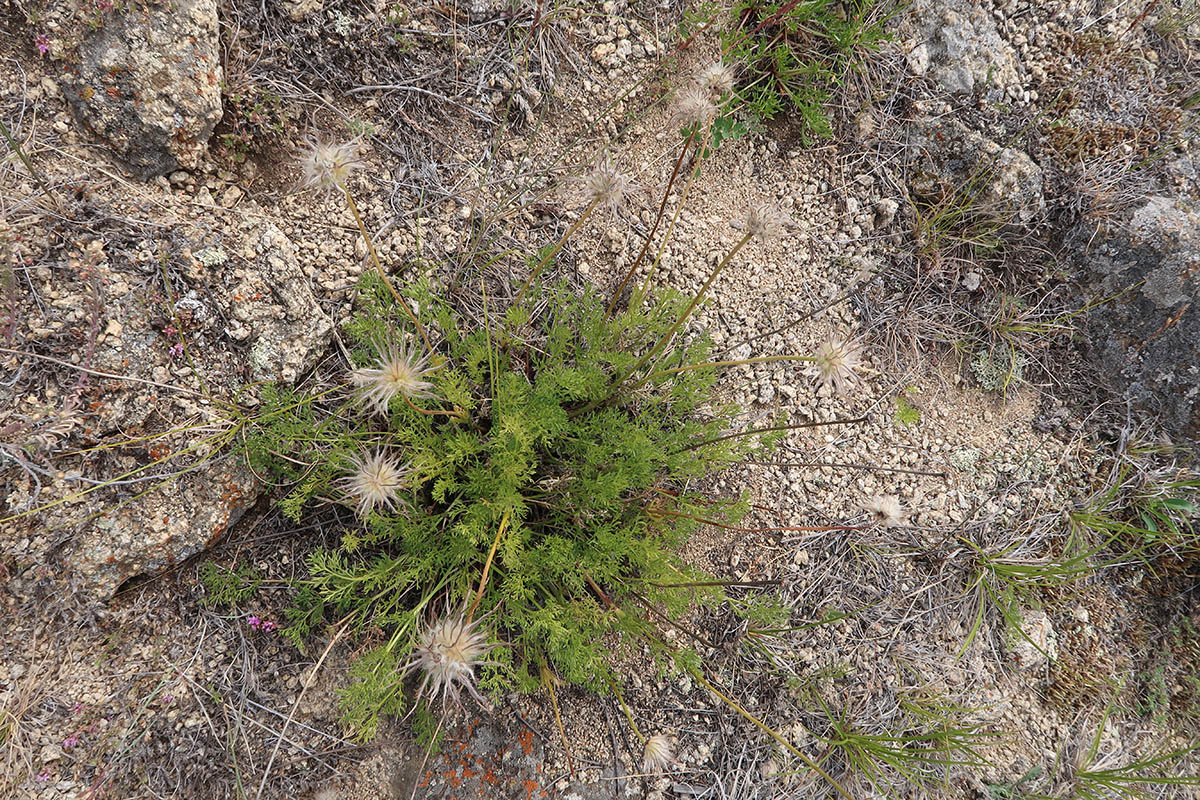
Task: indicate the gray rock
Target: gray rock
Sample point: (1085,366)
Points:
(195,510)
(287,328)
(149,84)
(247,276)
(953,160)
(1146,339)
(961,48)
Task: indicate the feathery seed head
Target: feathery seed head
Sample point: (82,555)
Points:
(716,79)
(693,106)
(657,756)
(398,371)
(836,363)
(607,186)
(885,510)
(448,652)
(327,166)
(764,222)
(375,481)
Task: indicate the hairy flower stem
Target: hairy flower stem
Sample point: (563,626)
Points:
(666,337)
(554,250)
(379,267)
(433,740)
(692,584)
(548,681)
(432,412)
(770,732)
(836,465)
(714,364)
(612,687)
(487,566)
(692,305)
(37,177)
(775,428)
(687,188)
(661,512)
(341,628)
(662,208)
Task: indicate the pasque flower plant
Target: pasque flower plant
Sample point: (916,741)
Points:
(543,476)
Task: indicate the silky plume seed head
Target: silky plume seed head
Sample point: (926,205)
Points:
(326,166)
(765,222)
(398,372)
(657,756)
(448,652)
(836,362)
(693,106)
(885,510)
(375,481)
(608,187)
(717,79)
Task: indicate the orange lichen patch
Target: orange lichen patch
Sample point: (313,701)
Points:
(452,778)
(525,737)
(216,534)
(530,787)
(489,777)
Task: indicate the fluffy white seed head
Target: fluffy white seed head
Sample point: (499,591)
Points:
(657,756)
(608,187)
(397,372)
(764,222)
(716,79)
(375,481)
(326,166)
(693,106)
(448,652)
(885,510)
(836,363)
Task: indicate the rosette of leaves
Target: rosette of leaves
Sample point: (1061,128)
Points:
(558,464)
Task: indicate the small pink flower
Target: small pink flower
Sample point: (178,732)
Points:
(268,625)
(44,775)
(254,622)
(170,330)
(176,350)
(42,43)
(70,741)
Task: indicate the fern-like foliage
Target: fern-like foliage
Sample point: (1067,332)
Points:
(549,446)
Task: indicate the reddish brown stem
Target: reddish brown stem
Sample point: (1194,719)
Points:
(662,209)
(715,523)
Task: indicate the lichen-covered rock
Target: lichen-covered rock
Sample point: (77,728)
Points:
(165,527)
(285,326)
(143,476)
(961,48)
(1146,337)
(951,160)
(148,82)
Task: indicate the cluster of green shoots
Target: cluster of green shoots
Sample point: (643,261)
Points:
(521,485)
(798,54)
